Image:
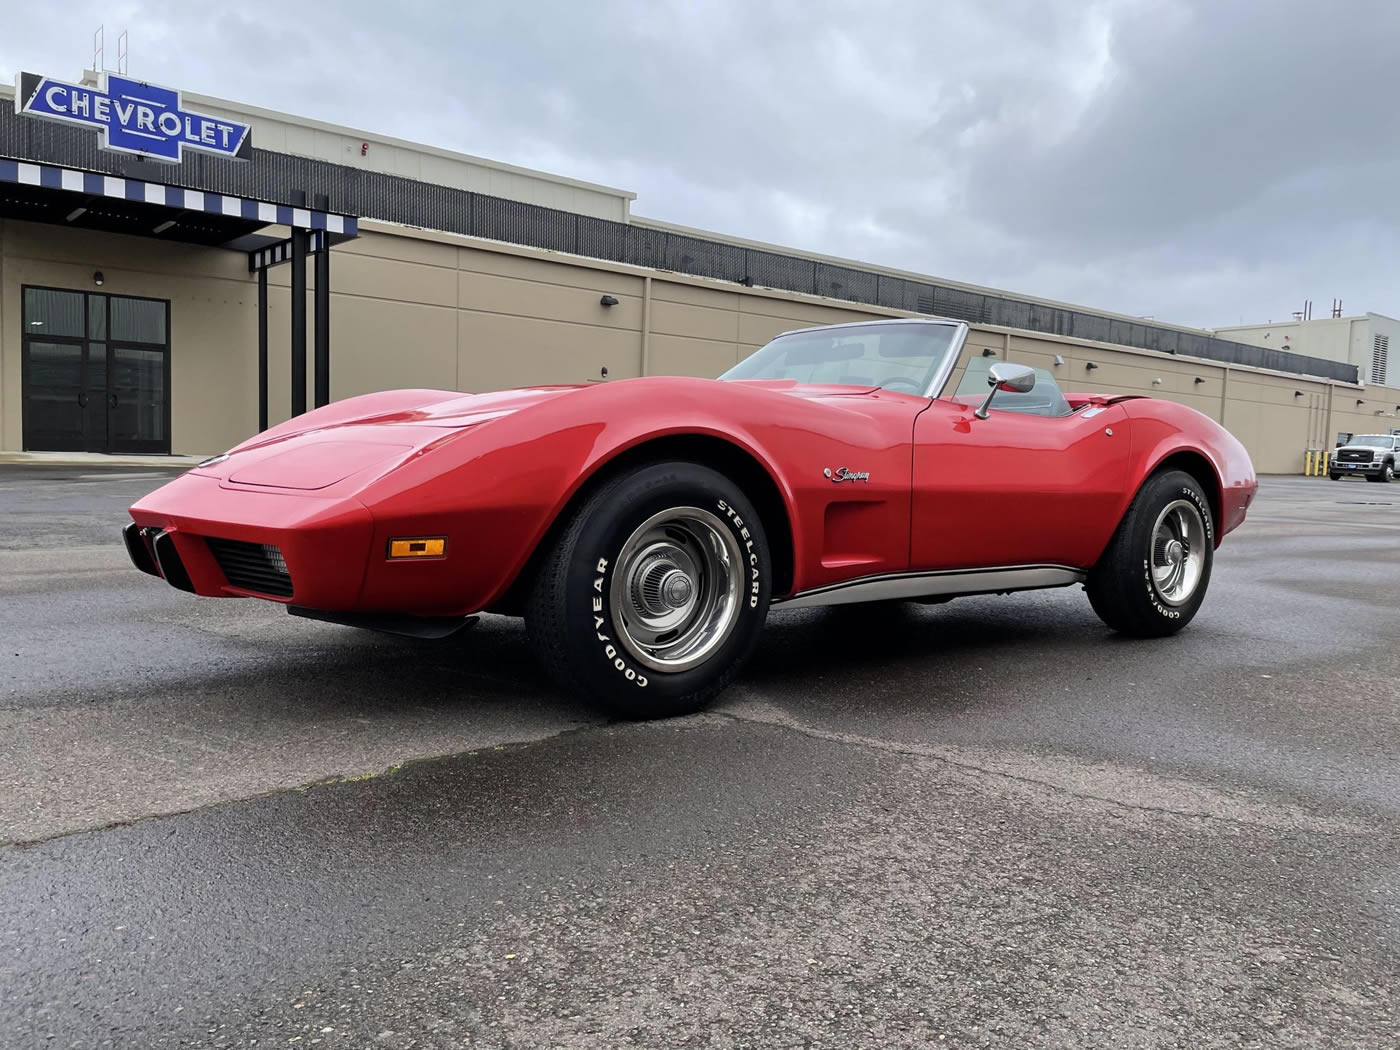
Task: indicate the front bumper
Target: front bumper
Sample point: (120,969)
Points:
(1340,467)
(203,537)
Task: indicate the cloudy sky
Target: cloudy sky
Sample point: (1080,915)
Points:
(1199,161)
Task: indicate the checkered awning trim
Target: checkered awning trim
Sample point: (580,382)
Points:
(174,197)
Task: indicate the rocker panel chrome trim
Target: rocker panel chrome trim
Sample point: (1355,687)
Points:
(929,584)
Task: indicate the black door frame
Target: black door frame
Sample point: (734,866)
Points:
(78,342)
(84,343)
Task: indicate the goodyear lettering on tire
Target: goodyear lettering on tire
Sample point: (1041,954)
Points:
(609,649)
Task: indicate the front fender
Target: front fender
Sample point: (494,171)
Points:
(501,485)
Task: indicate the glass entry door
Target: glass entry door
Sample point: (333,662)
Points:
(136,401)
(96,372)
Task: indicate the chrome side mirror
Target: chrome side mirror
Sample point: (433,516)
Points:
(1014,379)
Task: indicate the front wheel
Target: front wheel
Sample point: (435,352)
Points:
(1153,577)
(1387,474)
(654,593)
(1335,477)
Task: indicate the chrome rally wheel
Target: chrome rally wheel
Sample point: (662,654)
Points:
(675,594)
(653,593)
(1178,551)
(1151,579)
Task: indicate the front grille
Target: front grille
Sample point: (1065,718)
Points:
(252,566)
(1354,457)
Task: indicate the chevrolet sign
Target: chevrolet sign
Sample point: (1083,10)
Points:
(133,117)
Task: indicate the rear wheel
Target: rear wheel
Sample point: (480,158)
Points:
(654,593)
(1153,577)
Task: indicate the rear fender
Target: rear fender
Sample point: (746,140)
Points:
(1163,431)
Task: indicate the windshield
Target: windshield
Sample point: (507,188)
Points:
(901,357)
(1372,441)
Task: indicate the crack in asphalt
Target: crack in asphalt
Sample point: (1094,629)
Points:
(331,781)
(747,713)
(940,756)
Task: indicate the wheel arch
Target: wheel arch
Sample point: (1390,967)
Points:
(724,456)
(1198,465)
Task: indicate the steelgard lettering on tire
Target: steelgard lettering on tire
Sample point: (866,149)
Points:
(756,582)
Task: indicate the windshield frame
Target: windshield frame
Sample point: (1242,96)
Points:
(938,380)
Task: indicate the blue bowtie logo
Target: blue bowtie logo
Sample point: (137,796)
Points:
(134,117)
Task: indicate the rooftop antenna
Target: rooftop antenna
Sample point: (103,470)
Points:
(99,56)
(1336,308)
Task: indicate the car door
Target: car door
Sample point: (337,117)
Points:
(1016,488)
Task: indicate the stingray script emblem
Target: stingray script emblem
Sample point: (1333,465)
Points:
(843,474)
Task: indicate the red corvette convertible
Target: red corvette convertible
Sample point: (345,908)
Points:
(643,527)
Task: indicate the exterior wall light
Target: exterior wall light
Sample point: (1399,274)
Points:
(98,279)
(1090,367)
(1059,359)
(989,352)
(1297,393)
(1198,380)
(1359,402)
(608,300)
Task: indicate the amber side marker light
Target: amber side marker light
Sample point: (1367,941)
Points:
(418,547)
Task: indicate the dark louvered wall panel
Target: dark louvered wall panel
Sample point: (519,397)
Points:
(284,179)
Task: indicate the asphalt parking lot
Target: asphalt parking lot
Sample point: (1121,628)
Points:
(985,824)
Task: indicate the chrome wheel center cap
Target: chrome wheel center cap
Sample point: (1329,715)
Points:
(1175,552)
(663,589)
(676,589)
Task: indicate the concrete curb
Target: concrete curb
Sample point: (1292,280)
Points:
(95,459)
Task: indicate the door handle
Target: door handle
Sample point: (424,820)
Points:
(114,400)
(82,399)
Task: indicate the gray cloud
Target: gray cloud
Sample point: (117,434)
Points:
(1197,160)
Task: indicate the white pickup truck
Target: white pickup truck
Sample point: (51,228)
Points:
(1371,456)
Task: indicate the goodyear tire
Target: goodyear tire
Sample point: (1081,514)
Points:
(654,592)
(1152,579)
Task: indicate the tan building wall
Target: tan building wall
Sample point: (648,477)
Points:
(213,321)
(411,308)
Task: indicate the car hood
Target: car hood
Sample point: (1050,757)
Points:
(465,410)
(368,436)
(452,410)
(812,391)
